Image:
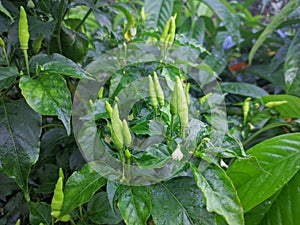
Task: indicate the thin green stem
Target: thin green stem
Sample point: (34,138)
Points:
(72,222)
(85,17)
(6,58)
(58,25)
(80,211)
(26,61)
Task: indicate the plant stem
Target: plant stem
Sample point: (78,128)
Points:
(26,61)
(6,58)
(58,25)
(85,17)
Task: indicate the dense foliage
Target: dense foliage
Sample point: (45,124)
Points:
(220,146)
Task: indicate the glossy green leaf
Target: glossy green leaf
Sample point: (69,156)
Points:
(135,205)
(155,156)
(274,162)
(179,201)
(256,214)
(58,64)
(48,94)
(20,129)
(280,17)
(7,77)
(40,212)
(243,89)
(285,210)
(80,187)
(292,66)
(290,109)
(158,12)
(230,20)
(100,211)
(219,193)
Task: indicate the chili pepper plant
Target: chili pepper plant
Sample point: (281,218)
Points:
(149,112)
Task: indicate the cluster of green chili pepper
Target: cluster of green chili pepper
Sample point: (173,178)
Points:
(58,200)
(168,34)
(179,105)
(120,132)
(156,93)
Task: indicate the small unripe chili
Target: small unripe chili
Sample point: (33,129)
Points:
(109,109)
(126,134)
(153,97)
(158,90)
(23,29)
(117,127)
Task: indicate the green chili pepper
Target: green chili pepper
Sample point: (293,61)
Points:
(100,93)
(158,90)
(18,222)
(152,93)
(165,32)
(246,108)
(182,106)
(172,30)
(2,43)
(58,198)
(173,103)
(126,134)
(275,103)
(109,109)
(37,43)
(117,127)
(23,29)
(127,154)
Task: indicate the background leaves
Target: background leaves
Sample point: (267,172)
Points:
(19,142)
(274,162)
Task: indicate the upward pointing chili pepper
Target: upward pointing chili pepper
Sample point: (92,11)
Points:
(23,29)
(158,90)
(117,128)
(152,93)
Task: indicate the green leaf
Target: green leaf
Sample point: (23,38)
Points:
(40,212)
(179,201)
(277,162)
(285,209)
(100,211)
(155,156)
(7,77)
(49,95)
(158,12)
(281,16)
(141,128)
(58,64)
(290,109)
(20,129)
(80,187)
(4,10)
(230,20)
(135,205)
(243,89)
(292,66)
(256,214)
(219,193)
